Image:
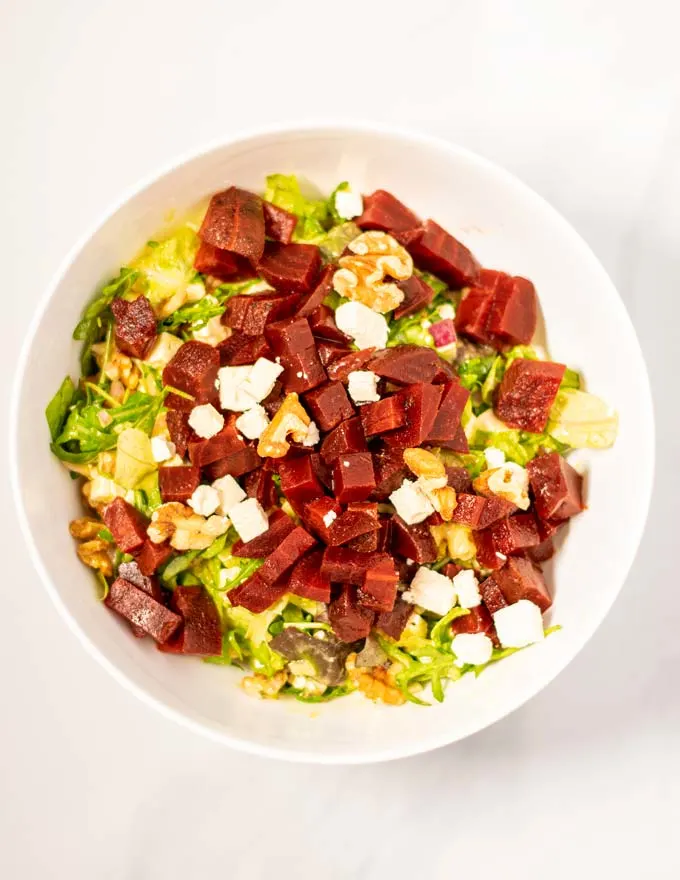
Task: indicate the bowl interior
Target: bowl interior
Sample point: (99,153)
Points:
(508,227)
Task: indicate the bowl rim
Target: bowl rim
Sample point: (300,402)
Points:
(202,726)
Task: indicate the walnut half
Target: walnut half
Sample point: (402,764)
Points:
(290,418)
(185,529)
(361,277)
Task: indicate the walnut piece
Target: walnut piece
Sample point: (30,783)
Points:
(375,683)
(119,367)
(431,475)
(361,277)
(261,686)
(185,529)
(424,463)
(85,528)
(511,482)
(292,419)
(97,555)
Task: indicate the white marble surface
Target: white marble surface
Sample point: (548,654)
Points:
(581,100)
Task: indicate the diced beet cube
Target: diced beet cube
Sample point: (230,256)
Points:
(280,526)
(385,212)
(542,552)
(490,280)
(359,518)
(299,482)
(257,595)
(311,301)
(151,556)
(260,484)
(514,311)
(201,635)
(450,570)
(236,464)
(417,295)
(205,451)
(346,566)
(293,547)
(440,253)
(211,260)
(134,326)
(367,543)
(193,370)
(347,437)
(251,313)
(279,224)
(240,349)
(547,528)
(473,313)
(126,524)
(421,403)
(316,515)
(459,479)
(492,595)
(329,405)
(349,620)
(290,336)
(445,373)
(234,222)
(353,476)
(379,589)
(131,571)
(330,352)
(405,364)
(515,534)
(383,415)
(390,472)
(557,487)
(180,432)
(178,483)
(290,267)
(413,542)
(307,579)
(486,550)
(447,421)
(340,368)
(458,444)
(520,579)
(495,509)
(443,334)
(303,371)
(322,322)
(385,535)
(527,393)
(322,471)
(142,610)
(393,623)
(477,621)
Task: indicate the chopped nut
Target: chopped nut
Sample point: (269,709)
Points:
(445,502)
(374,683)
(290,418)
(85,527)
(261,686)
(424,463)
(511,482)
(375,256)
(97,555)
(119,367)
(185,529)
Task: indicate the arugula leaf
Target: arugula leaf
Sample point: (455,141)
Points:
(57,409)
(435,283)
(96,317)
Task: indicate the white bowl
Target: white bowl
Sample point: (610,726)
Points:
(508,227)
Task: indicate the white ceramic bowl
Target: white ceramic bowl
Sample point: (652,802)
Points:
(508,227)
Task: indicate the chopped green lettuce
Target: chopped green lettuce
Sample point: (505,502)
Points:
(168,268)
(334,242)
(194,316)
(582,420)
(332,210)
(57,409)
(473,372)
(283,190)
(134,458)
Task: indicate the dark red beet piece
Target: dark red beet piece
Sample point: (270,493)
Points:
(132,571)
(180,432)
(126,524)
(322,471)
(178,483)
(260,484)
(349,620)
(359,518)
(459,479)
(477,621)
(514,311)
(151,556)
(240,349)
(322,322)
(329,405)
(495,509)
(421,403)
(311,301)
(450,570)
(385,535)
(280,525)
(393,623)
(251,314)
(330,352)
(417,295)
(458,444)
(365,543)
(303,371)
(205,451)
(343,565)
(486,550)
(413,542)
(353,476)
(520,579)
(234,222)
(221,264)
(492,595)
(445,373)
(279,225)
(142,610)
(527,392)
(379,589)
(236,464)
(347,437)
(340,368)
(515,534)
(201,634)
(314,513)
(290,267)
(542,552)
(473,313)
(193,370)
(134,326)
(383,415)
(293,547)
(299,482)
(557,487)
(447,421)
(385,212)
(290,336)
(307,579)
(256,595)
(440,253)
(468,510)
(405,364)
(390,472)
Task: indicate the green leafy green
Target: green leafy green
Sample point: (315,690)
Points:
(571,379)
(196,315)
(283,190)
(473,372)
(334,242)
(519,446)
(168,268)
(332,210)
(331,693)
(582,420)
(57,409)
(435,283)
(409,330)
(96,318)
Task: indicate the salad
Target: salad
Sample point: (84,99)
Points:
(314,441)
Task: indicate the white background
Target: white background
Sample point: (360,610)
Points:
(581,100)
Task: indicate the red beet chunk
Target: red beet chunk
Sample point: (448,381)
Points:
(330,352)
(514,311)
(492,595)
(329,405)
(299,482)
(379,589)
(515,534)
(178,483)
(477,621)
(240,349)
(152,556)
(495,509)
(557,487)
(547,528)
(256,595)
(311,301)
(343,565)
(340,369)
(385,212)
(350,621)
(131,571)
(450,570)
(126,524)
(527,392)
(447,421)
(142,610)
(251,314)
(206,451)
(473,314)
(421,403)
(440,253)
(390,472)
(308,581)
(180,432)
(314,513)
(322,322)
(279,225)
(236,464)
(260,484)
(413,542)
(322,471)
(293,547)
(348,437)
(486,550)
(417,295)
(135,326)
(393,623)
(280,525)
(201,634)
(458,444)
(290,267)
(303,371)
(385,535)
(542,552)
(520,579)
(234,222)
(405,364)
(468,510)
(383,415)
(490,280)
(459,479)
(367,543)
(193,370)
(359,518)
(291,336)
(221,264)
(353,476)
(445,373)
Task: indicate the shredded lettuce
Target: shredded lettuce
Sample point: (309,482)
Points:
(283,190)
(332,210)
(134,458)
(519,446)
(414,329)
(194,316)
(333,244)
(474,371)
(582,420)
(168,268)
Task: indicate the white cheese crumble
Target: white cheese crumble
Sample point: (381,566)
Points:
(253,422)
(495,458)
(366,327)
(212,333)
(363,386)
(312,437)
(519,625)
(230,493)
(348,204)
(511,481)
(329,518)
(467,588)
(411,503)
(233,396)
(205,500)
(206,420)
(163,351)
(162,449)
(249,519)
(446,312)
(472,648)
(260,380)
(432,591)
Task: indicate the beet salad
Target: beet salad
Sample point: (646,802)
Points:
(314,441)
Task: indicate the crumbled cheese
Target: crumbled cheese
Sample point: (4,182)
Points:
(467,588)
(432,591)
(233,396)
(329,518)
(163,351)
(511,481)
(495,458)
(195,291)
(212,333)
(411,503)
(230,493)
(348,204)
(162,449)
(429,485)
(249,519)
(205,500)
(472,648)
(519,625)
(313,436)
(259,382)
(363,386)
(366,327)
(446,312)
(253,422)
(206,420)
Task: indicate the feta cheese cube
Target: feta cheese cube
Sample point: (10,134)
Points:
(249,519)
(230,381)
(253,422)
(162,449)
(366,327)
(261,378)
(206,420)
(212,333)
(495,458)
(348,204)
(519,625)
(432,591)
(363,386)
(164,349)
(313,435)
(511,481)
(446,312)
(230,493)
(205,500)
(472,648)
(411,503)
(467,588)
(329,518)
